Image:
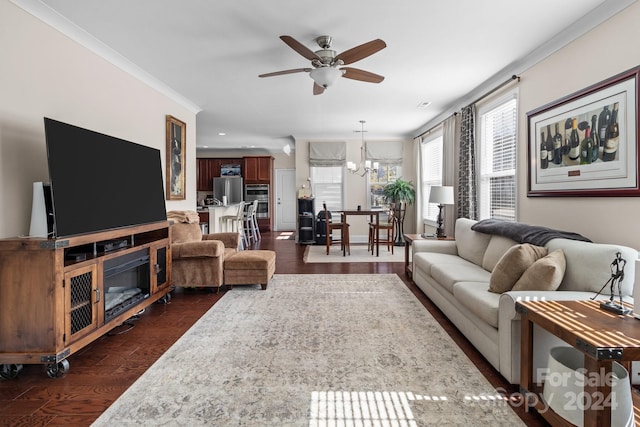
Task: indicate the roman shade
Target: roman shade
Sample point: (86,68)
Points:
(327,153)
(387,152)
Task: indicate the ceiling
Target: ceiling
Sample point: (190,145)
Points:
(209,53)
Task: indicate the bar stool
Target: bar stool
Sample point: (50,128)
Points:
(247,223)
(235,223)
(254,221)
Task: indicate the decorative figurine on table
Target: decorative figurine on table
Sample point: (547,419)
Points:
(617,276)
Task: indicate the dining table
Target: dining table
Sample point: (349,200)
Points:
(373,213)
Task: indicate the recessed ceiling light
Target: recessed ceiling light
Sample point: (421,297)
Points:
(205,146)
(424,104)
(221,133)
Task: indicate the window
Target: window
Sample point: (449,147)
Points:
(326,169)
(431,173)
(326,184)
(497,159)
(386,173)
(388,155)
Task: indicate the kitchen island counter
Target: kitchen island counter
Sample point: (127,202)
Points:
(216,212)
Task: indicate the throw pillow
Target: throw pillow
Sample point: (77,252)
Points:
(513,264)
(544,275)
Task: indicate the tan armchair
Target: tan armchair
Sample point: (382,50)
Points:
(197,259)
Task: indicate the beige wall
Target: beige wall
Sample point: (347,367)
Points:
(44,73)
(605,51)
(355,186)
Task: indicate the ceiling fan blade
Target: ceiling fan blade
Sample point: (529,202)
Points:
(359,52)
(300,48)
(365,76)
(279,73)
(317,89)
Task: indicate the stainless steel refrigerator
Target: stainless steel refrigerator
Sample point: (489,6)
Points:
(229,186)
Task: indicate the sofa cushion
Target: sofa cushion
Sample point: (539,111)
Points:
(512,265)
(426,260)
(448,275)
(471,244)
(598,256)
(498,246)
(183,232)
(476,299)
(250,260)
(228,252)
(202,249)
(544,275)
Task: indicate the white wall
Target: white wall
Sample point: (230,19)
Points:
(604,52)
(44,73)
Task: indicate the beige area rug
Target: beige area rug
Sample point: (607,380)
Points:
(313,350)
(359,253)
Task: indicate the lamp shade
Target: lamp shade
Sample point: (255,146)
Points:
(441,195)
(325,76)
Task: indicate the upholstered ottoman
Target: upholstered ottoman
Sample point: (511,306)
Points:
(250,267)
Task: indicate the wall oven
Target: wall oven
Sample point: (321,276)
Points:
(259,192)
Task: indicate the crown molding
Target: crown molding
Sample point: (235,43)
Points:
(52,18)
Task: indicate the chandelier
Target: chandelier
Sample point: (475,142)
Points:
(365,165)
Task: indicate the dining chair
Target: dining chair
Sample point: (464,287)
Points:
(340,225)
(389,227)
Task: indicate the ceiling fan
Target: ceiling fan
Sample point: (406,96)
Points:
(326,64)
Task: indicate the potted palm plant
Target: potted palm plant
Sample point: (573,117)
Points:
(401,193)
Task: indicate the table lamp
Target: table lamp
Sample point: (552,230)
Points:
(442,196)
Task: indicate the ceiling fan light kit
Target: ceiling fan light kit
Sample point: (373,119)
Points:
(325,62)
(325,76)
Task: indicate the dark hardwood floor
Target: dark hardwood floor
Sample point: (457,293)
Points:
(102,371)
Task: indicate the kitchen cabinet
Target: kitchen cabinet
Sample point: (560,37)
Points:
(257,170)
(204,216)
(59,295)
(204,174)
(209,168)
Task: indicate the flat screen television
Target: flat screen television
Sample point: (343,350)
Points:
(100,182)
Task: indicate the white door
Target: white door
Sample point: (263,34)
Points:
(285,199)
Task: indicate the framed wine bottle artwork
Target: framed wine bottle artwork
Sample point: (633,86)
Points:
(586,144)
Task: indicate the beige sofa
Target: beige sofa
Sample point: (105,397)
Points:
(455,275)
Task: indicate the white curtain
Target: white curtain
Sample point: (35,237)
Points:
(450,132)
(389,152)
(333,153)
(417,156)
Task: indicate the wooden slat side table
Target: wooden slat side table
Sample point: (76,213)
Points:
(602,336)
